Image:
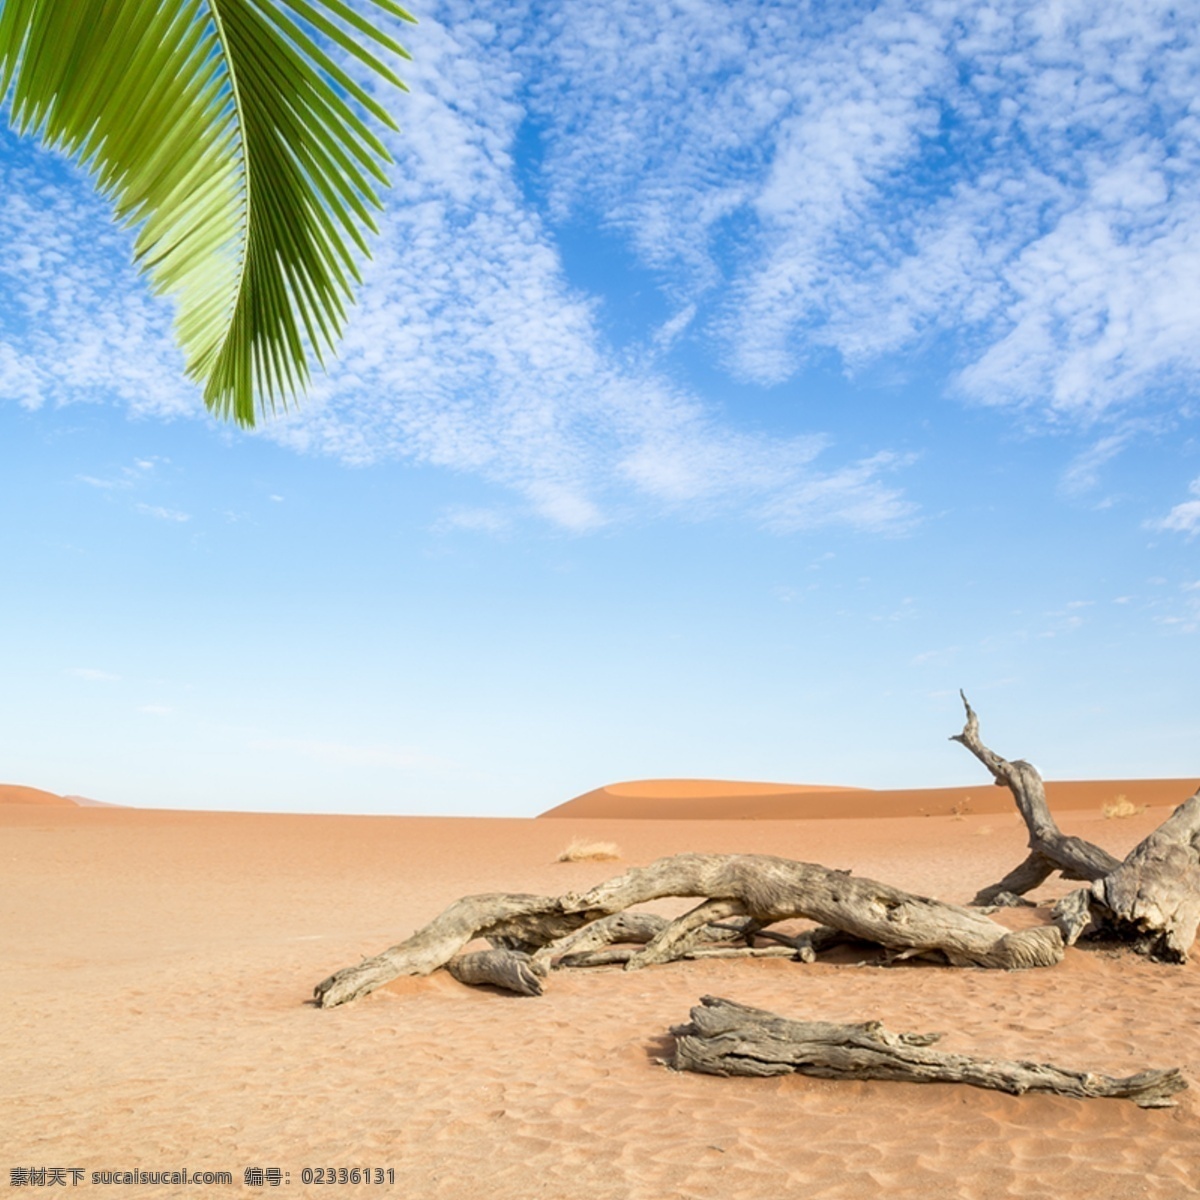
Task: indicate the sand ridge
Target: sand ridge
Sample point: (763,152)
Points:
(156,1000)
(16,793)
(713,799)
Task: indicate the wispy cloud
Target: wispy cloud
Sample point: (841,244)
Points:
(1022,177)
(125,477)
(472,350)
(162,514)
(1019,183)
(76,325)
(1184,517)
(92,675)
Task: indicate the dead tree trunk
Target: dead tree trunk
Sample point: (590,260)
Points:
(770,889)
(1151,900)
(510,921)
(512,970)
(759,886)
(1050,849)
(725,1038)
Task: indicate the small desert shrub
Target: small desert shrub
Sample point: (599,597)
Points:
(961,809)
(1120,807)
(581,850)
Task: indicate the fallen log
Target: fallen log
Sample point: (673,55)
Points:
(512,970)
(511,921)
(621,955)
(726,1038)
(622,928)
(759,886)
(771,889)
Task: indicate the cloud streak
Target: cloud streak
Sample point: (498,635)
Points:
(1013,189)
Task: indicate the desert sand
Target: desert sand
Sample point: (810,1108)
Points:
(719,799)
(159,964)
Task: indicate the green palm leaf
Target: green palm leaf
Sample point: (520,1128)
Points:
(238,147)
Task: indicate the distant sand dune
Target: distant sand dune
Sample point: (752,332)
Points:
(722,799)
(15,793)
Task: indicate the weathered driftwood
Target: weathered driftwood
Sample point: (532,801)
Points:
(1050,849)
(621,955)
(1151,900)
(726,1038)
(509,920)
(759,886)
(771,889)
(513,970)
(621,928)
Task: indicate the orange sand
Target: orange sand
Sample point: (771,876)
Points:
(158,967)
(15,793)
(716,799)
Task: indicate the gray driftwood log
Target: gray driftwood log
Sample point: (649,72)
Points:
(512,970)
(511,921)
(1151,900)
(726,1038)
(771,889)
(574,929)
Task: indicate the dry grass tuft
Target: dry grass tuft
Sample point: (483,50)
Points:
(584,851)
(961,809)
(983,831)
(1120,807)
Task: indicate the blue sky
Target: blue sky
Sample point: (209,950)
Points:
(731,384)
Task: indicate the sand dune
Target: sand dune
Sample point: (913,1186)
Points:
(716,799)
(15,793)
(158,967)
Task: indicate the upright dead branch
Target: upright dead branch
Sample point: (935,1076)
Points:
(1050,849)
(725,1038)
(1151,900)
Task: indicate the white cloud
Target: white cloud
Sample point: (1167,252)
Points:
(76,324)
(1083,472)
(471,350)
(162,514)
(94,676)
(1014,185)
(1021,177)
(1184,517)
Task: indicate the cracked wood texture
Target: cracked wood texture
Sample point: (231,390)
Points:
(1154,895)
(726,1038)
(771,889)
(512,970)
(512,921)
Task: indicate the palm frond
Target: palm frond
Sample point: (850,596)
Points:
(238,147)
